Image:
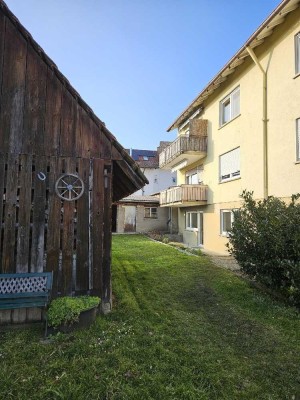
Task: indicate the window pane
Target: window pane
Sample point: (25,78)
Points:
(235,103)
(226,111)
(153,212)
(147,212)
(226,221)
(194,220)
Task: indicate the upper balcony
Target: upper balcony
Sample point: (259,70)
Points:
(184,195)
(186,150)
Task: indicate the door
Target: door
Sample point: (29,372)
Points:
(130,219)
(200,229)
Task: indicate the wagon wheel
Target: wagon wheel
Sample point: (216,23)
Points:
(69,187)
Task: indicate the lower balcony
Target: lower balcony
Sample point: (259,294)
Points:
(184,195)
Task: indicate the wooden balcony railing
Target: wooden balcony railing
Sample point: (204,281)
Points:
(183,194)
(183,144)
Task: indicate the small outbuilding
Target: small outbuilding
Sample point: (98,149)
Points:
(60,171)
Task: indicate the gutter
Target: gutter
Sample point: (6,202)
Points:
(265,122)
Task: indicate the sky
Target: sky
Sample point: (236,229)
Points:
(139,63)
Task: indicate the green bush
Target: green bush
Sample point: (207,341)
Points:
(265,240)
(66,310)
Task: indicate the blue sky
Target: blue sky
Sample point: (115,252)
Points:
(139,63)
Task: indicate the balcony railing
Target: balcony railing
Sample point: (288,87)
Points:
(183,194)
(183,145)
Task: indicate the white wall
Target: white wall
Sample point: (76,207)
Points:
(158,180)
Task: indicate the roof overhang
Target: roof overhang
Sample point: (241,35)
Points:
(256,39)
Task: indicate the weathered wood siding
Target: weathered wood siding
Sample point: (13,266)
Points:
(45,128)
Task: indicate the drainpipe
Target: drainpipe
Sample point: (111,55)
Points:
(265,121)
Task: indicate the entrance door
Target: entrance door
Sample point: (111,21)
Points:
(200,228)
(130,219)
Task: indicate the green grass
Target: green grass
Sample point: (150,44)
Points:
(181,328)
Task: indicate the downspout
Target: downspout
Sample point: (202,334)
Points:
(265,122)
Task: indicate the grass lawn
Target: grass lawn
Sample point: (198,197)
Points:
(181,328)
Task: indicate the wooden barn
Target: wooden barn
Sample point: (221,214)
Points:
(60,171)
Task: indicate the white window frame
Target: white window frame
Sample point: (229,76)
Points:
(232,175)
(234,109)
(224,232)
(194,176)
(297,53)
(298,139)
(152,212)
(188,221)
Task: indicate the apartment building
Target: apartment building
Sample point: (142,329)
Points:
(241,132)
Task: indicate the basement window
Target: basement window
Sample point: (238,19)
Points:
(227,218)
(151,212)
(230,106)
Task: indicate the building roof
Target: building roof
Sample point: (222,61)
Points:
(134,176)
(140,199)
(145,158)
(256,39)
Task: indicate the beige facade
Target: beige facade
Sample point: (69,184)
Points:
(251,108)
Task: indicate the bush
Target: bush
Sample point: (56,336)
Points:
(66,310)
(265,240)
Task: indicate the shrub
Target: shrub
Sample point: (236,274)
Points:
(265,240)
(66,310)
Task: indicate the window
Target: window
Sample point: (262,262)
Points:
(297,53)
(194,176)
(230,106)
(227,218)
(150,212)
(298,139)
(230,165)
(191,221)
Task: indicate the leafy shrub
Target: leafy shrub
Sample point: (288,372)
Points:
(265,240)
(66,310)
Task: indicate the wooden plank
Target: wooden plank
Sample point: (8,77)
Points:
(18,316)
(96,142)
(68,236)
(106,301)
(82,237)
(54,225)
(13,90)
(97,224)
(68,128)
(25,182)
(8,256)
(5,317)
(83,141)
(35,104)
(53,114)
(105,144)
(2,42)
(38,218)
(2,186)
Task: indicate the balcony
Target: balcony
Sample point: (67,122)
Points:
(184,195)
(186,150)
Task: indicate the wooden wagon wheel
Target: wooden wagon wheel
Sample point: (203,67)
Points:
(69,187)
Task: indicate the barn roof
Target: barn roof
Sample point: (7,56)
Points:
(128,177)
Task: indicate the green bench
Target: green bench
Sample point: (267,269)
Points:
(25,290)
